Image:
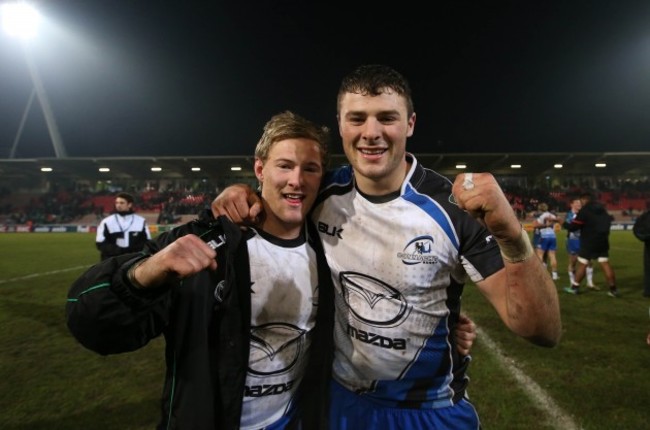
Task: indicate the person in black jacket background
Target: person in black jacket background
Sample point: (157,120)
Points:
(594,223)
(246,315)
(641,231)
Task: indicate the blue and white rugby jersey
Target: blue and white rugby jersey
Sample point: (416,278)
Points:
(399,268)
(573,235)
(548,231)
(284,302)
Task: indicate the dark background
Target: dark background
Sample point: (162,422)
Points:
(132,78)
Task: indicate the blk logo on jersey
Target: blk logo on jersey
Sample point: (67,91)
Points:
(333,231)
(275,348)
(418,251)
(372,301)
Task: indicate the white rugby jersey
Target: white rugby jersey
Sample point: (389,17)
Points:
(548,230)
(284,301)
(399,268)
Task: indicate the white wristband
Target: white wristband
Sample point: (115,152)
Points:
(519,250)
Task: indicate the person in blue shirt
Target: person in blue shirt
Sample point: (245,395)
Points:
(573,244)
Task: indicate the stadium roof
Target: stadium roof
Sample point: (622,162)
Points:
(218,168)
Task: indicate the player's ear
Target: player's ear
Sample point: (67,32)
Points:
(259,168)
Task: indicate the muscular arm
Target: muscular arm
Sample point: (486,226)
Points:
(239,202)
(523,293)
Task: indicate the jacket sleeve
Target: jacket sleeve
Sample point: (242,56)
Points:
(107,314)
(105,243)
(641,228)
(107,249)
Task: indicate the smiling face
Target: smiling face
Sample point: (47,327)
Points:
(374,130)
(290,177)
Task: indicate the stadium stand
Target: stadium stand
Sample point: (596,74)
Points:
(76,192)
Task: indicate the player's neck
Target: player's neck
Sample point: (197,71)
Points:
(382,185)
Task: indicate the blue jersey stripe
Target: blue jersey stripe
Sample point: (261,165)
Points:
(433,210)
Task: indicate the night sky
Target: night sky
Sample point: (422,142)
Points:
(174,78)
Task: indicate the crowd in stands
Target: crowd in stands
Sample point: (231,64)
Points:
(70,206)
(66,206)
(630,198)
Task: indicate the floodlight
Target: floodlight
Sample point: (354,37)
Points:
(20,20)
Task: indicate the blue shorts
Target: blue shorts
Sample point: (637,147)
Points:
(573,246)
(547,244)
(350,411)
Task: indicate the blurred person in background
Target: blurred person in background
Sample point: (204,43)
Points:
(547,243)
(573,244)
(123,231)
(641,231)
(594,223)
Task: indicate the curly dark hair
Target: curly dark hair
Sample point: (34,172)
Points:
(373,80)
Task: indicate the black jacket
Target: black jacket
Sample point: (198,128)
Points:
(594,223)
(641,227)
(207,340)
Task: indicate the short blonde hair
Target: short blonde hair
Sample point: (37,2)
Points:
(288,125)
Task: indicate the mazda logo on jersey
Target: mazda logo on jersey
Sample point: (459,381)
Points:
(275,348)
(372,301)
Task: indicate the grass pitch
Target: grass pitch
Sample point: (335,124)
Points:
(598,377)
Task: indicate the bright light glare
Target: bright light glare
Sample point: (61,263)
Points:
(196,169)
(461,166)
(235,168)
(558,166)
(20,20)
(46,169)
